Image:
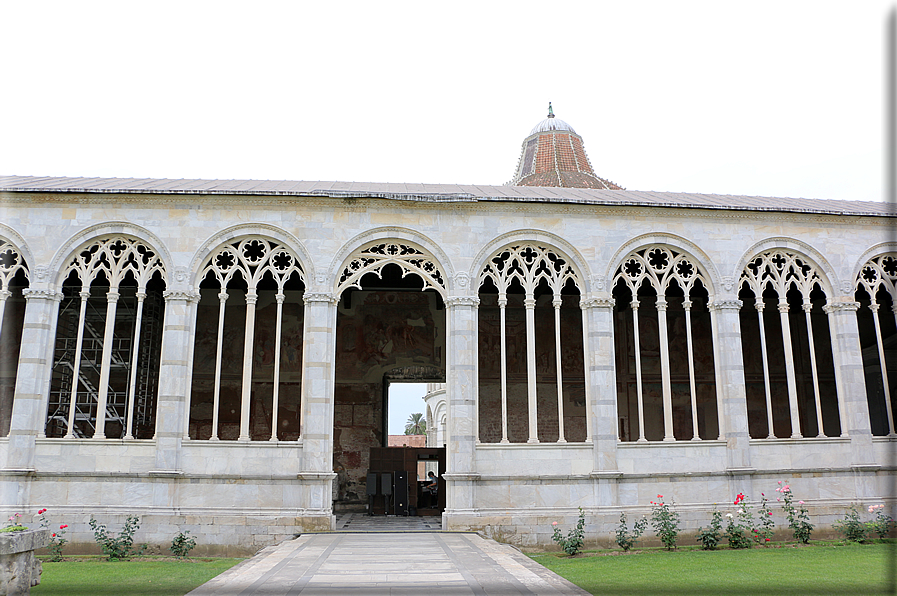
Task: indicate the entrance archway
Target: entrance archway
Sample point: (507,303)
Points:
(390,326)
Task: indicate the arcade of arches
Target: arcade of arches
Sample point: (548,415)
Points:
(242,375)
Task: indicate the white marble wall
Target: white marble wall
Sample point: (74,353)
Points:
(245,494)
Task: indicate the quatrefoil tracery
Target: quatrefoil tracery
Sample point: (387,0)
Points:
(780,271)
(11,262)
(115,259)
(660,266)
(879,273)
(251,259)
(529,265)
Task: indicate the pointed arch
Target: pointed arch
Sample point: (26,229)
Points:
(373,250)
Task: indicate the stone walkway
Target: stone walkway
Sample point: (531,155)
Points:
(374,563)
(362,522)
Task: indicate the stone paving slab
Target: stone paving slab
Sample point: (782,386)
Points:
(388,563)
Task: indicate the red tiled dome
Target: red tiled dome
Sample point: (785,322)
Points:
(554,155)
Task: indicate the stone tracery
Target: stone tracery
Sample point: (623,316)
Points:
(530,268)
(258,265)
(112,362)
(374,258)
(666,272)
(876,285)
(789,279)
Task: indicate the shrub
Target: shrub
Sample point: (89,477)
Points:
(853,529)
(627,539)
(882,524)
(740,530)
(182,544)
(767,527)
(572,543)
(665,522)
(120,547)
(710,537)
(798,517)
(57,538)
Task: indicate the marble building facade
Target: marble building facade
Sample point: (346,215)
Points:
(228,343)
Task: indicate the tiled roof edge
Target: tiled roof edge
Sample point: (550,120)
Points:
(663,199)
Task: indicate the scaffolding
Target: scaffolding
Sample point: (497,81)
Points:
(85,416)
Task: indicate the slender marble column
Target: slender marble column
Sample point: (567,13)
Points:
(789,370)
(29,410)
(808,308)
(530,304)
(245,404)
(556,302)
(278,326)
(695,436)
(76,372)
(216,399)
(765,354)
(105,363)
(884,367)
(638,373)
(178,335)
(665,370)
(4,296)
(727,350)
(502,304)
(135,352)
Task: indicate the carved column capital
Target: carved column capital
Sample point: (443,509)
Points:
(719,304)
(42,294)
(186,296)
(839,307)
(326,297)
(452,301)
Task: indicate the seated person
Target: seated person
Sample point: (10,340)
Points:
(431,487)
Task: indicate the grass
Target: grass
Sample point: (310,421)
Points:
(99,577)
(805,571)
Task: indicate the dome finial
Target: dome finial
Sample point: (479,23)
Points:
(550,110)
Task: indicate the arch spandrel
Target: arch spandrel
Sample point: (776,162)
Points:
(687,250)
(370,251)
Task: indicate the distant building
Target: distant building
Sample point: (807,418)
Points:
(214,354)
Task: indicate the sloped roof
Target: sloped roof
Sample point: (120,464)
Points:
(436,193)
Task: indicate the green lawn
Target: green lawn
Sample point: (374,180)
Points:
(100,577)
(803,571)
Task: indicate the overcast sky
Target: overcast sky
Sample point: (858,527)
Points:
(759,98)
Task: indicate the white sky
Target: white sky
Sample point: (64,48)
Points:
(405,399)
(760,98)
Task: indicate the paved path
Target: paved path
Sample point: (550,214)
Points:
(430,564)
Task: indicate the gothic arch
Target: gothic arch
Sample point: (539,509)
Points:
(243,231)
(370,251)
(530,236)
(677,243)
(827,275)
(873,252)
(57,269)
(12,237)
